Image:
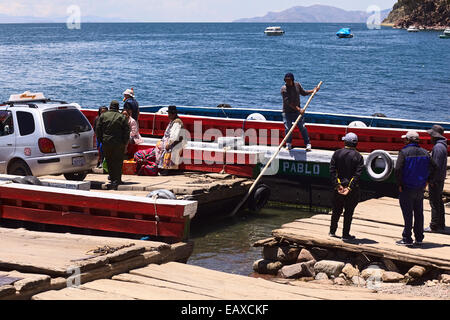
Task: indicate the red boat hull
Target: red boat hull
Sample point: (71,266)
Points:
(272,132)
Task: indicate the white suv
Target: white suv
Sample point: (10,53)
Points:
(39,137)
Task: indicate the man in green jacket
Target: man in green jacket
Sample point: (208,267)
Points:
(113,132)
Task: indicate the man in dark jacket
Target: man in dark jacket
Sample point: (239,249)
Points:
(413,170)
(436,185)
(130,103)
(291,93)
(113,132)
(346,167)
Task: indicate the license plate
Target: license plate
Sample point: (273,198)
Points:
(78,161)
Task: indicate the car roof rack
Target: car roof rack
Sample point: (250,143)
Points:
(34,101)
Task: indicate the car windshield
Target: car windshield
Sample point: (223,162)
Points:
(65,121)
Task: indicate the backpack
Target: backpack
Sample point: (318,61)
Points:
(142,157)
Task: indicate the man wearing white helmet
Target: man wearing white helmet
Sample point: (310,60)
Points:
(346,167)
(130,103)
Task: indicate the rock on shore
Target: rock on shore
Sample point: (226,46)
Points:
(427,14)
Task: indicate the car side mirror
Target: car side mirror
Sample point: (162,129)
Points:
(6,130)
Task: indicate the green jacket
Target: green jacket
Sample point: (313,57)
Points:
(113,128)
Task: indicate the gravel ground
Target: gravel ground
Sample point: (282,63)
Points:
(429,289)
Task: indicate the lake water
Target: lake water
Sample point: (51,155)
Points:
(390,71)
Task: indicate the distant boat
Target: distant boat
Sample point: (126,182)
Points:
(446,34)
(274,31)
(344,33)
(413,29)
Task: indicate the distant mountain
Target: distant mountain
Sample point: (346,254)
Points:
(315,13)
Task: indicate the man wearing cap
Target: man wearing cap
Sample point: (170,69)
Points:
(130,103)
(346,167)
(413,170)
(113,131)
(291,92)
(436,184)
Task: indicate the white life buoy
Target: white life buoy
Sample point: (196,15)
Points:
(387,163)
(163,110)
(357,124)
(256,116)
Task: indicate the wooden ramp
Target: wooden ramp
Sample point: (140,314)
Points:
(33,262)
(176,281)
(377,224)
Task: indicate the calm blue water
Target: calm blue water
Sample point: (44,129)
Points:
(391,71)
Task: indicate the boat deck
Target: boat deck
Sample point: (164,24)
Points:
(208,189)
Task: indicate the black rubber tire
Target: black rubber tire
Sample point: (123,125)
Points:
(19,168)
(259,198)
(75,176)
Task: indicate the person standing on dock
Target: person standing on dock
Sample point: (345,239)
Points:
(346,167)
(413,170)
(436,185)
(291,92)
(113,131)
(130,103)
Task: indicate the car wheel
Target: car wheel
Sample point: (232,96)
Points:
(19,168)
(75,176)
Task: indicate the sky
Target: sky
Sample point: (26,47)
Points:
(172,10)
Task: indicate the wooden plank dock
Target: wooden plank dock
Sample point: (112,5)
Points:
(33,262)
(176,281)
(377,224)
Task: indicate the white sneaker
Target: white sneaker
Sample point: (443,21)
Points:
(308,147)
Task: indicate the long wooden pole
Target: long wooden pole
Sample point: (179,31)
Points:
(255,183)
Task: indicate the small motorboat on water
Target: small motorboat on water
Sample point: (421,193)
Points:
(344,33)
(446,34)
(274,31)
(413,29)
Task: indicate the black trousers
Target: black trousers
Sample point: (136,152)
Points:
(437,206)
(346,204)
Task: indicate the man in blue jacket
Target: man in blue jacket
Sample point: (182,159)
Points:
(413,170)
(436,185)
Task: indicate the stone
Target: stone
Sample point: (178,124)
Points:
(321,276)
(291,271)
(445,278)
(359,281)
(390,276)
(264,266)
(303,269)
(416,272)
(350,271)
(305,256)
(331,268)
(362,261)
(284,254)
(339,281)
(319,253)
(390,265)
(372,271)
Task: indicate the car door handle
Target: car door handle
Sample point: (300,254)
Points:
(75,146)
(9,144)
